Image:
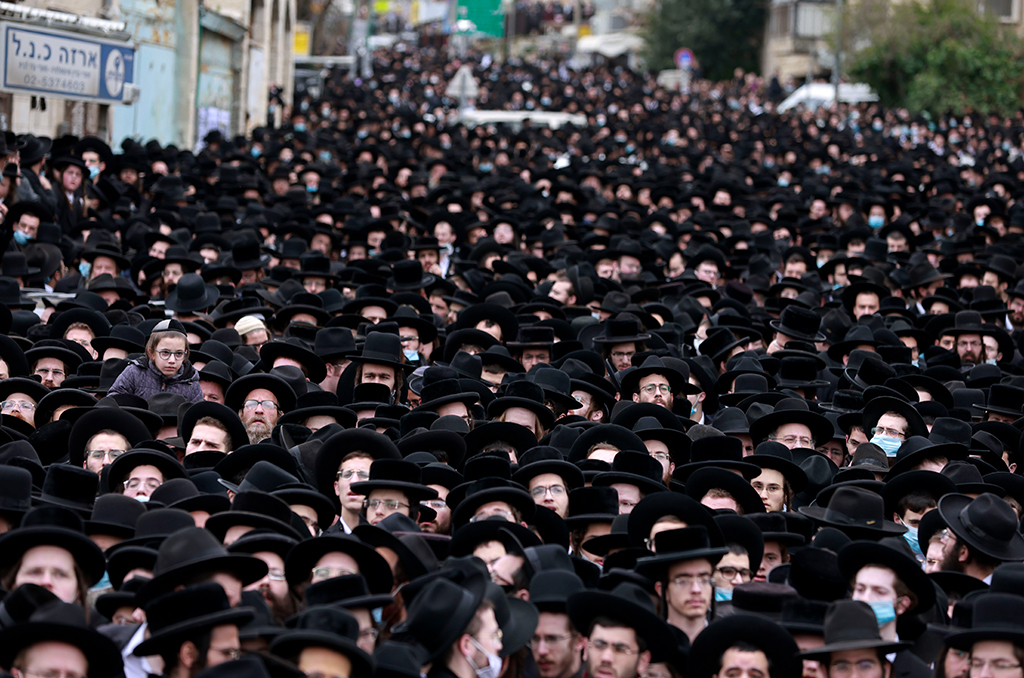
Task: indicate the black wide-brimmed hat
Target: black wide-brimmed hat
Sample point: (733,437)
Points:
(340,445)
(63,623)
(627,604)
(621,331)
(439,614)
(187,613)
(237,436)
(995,616)
(792,411)
(525,394)
(485,490)
(703,480)
(634,468)
(383,348)
(860,554)
(193,551)
(329,627)
(191,294)
(119,469)
(673,546)
(876,407)
(776,456)
(297,350)
(798,323)
(240,389)
(858,512)
(984,524)
(768,636)
(53,526)
(653,508)
(680,383)
(395,474)
(851,625)
(300,562)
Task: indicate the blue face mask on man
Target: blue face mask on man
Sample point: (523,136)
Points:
(876,221)
(884,610)
(889,445)
(21,237)
(723,595)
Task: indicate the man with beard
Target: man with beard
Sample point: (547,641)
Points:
(192,629)
(271,548)
(1015,306)
(556,646)
(982,533)
(260,400)
(967,332)
(18,398)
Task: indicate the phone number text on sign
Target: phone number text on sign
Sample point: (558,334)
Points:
(49,62)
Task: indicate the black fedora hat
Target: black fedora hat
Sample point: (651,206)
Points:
(858,512)
(395,474)
(69,486)
(53,526)
(348,591)
(63,623)
(592,505)
(543,459)
(191,294)
(680,383)
(708,647)
(237,436)
(673,546)
(329,627)
(621,330)
(114,515)
(995,616)
(480,492)
(300,562)
(851,625)
(260,511)
(119,469)
(982,523)
(408,275)
(439,614)
(297,350)
(798,323)
(240,389)
(878,406)
(182,493)
(179,615)
(703,480)
(402,535)
(193,551)
(634,468)
(341,444)
(778,457)
(153,527)
(525,394)
(382,348)
(792,411)
(319,403)
(627,604)
(720,451)
(660,505)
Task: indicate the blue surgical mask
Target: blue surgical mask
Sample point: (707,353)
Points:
(84,268)
(979,222)
(21,237)
(911,536)
(143,498)
(884,610)
(876,221)
(325,156)
(411,355)
(299,127)
(888,445)
(486,167)
(311,189)
(378,615)
(990,362)
(723,595)
(783,181)
(255,152)
(93,172)
(103,583)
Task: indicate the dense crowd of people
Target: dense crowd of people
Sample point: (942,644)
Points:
(696,389)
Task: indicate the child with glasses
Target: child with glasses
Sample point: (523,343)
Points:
(165,367)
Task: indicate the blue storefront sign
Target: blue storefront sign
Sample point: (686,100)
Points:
(43,61)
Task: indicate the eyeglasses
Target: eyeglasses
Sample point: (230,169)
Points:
(550,640)
(623,355)
(997,665)
(266,404)
(845,668)
(166,355)
(348,473)
(43,371)
(798,441)
(760,487)
(685,581)
(497,635)
(731,572)
(968,344)
(150,484)
(436,504)
(507,515)
(891,432)
(22,405)
(651,389)
(390,504)
(617,648)
(321,573)
(275,575)
(663,457)
(541,490)
(406,340)
(100,455)
(229,652)
(369,633)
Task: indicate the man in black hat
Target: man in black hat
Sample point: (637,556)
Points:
(982,534)
(260,400)
(853,645)
(192,629)
(55,640)
(556,646)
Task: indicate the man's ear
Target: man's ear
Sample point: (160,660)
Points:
(657,588)
(902,605)
(644,660)
(188,654)
(964,554)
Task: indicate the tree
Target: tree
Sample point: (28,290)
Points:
(723,34)
(938,56)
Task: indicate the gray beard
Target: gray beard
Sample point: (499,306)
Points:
(258,432)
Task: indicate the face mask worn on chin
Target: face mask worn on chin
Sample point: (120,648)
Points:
(21,237)
(884,610)
(493,668)
(723,595)
(84,268)
(94,172)
(888,445)
(411,355)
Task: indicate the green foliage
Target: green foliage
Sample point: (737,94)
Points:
(723,34)
(940,55)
